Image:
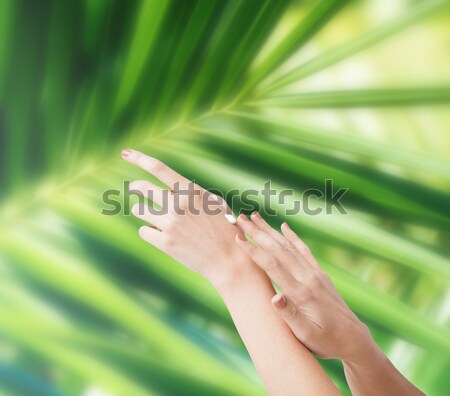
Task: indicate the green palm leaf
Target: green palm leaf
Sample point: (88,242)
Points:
(199,84)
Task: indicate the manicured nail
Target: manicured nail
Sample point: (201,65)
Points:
(241,236)
(243,217)
(125,153)
(280,301)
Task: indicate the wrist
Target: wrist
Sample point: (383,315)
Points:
(367,354)
(243,273)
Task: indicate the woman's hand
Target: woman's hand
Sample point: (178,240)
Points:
(192,227)
(309,302)
(204,242)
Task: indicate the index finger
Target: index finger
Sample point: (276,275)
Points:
(155,167)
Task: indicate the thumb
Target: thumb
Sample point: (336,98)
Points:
(285,308)
(291,315)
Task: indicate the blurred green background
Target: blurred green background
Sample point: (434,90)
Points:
(231,93)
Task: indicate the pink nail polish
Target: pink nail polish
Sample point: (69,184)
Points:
(125,153)
(279,301)
(242,237)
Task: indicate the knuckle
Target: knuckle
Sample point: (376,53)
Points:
(157,165)
(271,263)
(151,164)
(305,250)
(274,245)
(287,246)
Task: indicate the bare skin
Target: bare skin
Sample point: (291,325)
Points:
(206,244)
(309,309)
(316,313)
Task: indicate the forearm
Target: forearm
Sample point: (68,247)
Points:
(372,374)
(285,366)
(195,239)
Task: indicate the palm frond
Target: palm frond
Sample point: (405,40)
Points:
(200,85)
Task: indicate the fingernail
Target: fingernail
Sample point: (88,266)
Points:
(241,236)
(243,217)
(125,153)
(287,225)
(280,301)
(256,214)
